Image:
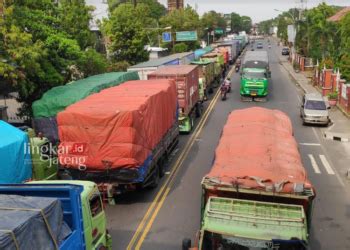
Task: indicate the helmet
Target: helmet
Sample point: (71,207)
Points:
(228,78)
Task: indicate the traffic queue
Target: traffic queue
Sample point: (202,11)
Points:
(113,133)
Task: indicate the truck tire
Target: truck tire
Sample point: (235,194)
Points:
(199,108)
(155,178)
(186,244)
(162,166)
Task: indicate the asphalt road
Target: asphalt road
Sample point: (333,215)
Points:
(175,213)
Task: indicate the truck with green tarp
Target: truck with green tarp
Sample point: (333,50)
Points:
(219,64)
(257,194)
(58,98)
(206,70)
(255,71)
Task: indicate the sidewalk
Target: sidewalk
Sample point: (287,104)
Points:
(340,128)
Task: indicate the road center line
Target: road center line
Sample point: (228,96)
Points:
(163,192)
(314,164)
(310,144)
(326,165)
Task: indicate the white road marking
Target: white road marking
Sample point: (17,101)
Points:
(326,165)
(310,144)
(314,164)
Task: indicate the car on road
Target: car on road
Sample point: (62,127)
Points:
(314,109)
(285,51)
(259,45)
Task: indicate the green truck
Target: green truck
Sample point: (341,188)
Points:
(261,200)
(255,71)
(206,70)
(72,210)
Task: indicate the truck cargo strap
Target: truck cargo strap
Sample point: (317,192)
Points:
(34,210)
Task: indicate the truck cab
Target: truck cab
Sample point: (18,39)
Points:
(92,212)
(244,224)
(254,82)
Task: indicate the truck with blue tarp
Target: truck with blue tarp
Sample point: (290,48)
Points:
(122,137)
(25,156)
(65,215)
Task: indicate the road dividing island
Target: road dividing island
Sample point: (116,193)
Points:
(257,194)
(121,137)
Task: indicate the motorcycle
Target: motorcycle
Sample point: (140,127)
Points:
(237,67)
(225,88)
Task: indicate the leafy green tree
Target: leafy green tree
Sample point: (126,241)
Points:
(213,20)
(236,22)
(75,17)
(344,54)
(126,30)
(157,9)
(180,47)
(246,23)
(92,63)
(36,51)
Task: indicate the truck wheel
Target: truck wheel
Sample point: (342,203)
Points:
(162,166)
(186,244)
(199,110)
(155,178)
(192,122)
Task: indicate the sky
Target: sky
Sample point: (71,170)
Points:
(258,10)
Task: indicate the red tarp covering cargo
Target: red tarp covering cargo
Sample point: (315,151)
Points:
(186,78)
(120,125)
(257,150)
(224,52)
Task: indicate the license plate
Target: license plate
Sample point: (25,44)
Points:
(253,93)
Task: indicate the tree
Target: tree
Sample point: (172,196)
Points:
(127,33)
(236,22)
(37,52)
(75,17)
(157,10)
(344,54)
(246,23)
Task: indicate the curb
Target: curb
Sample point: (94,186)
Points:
(294,79)
(337,137)
(343,111)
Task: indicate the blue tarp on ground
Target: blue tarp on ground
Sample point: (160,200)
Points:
(15,159)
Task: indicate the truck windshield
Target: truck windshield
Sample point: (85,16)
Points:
(315,105)
(213,241)
(254,75)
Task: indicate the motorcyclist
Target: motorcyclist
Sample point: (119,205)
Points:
(226,84)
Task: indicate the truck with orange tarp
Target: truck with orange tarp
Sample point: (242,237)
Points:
(257,194)
(121,137)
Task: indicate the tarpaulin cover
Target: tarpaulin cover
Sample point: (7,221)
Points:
(21,215)
(121,125)
(16,163)
(257,150)
(58,98)
(48,127)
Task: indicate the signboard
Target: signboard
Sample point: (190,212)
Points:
(219,31)
(291,33)
(166,37)
(186,36)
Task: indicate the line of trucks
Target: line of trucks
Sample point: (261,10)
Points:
(118,131)
(115,129)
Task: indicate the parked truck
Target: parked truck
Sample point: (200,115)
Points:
(255,71)
(25,156)
(58,98)
(206,69)
(187,83)
(257,194)
(121,137)
(66,215)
